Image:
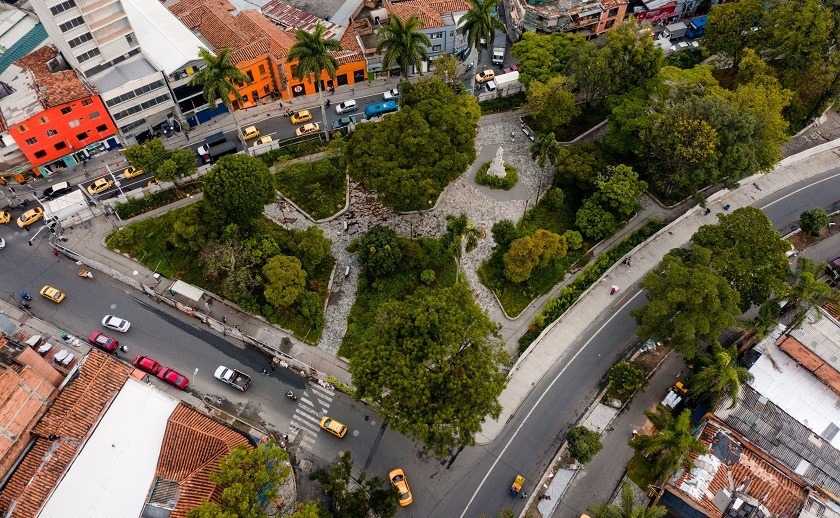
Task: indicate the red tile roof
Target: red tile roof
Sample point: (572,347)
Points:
(428,11)
(754,473)
(62,430)
(290,17)
(807,358)
(56,88)
(192,447)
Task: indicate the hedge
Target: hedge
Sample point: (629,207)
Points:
(567,296)
(505,182)
(154,200)
(501,104)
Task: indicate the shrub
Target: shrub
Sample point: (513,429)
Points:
(495,182)
(813,221)
(154,200)
(583,444)
(501,104)
(573,239)
(625,380)
(427,277)
(379,251)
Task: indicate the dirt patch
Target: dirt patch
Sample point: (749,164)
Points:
(650,359)
(801,240)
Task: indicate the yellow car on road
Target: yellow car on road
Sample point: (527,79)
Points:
(131,172)
(306,129)
(53,294)
(263,140)
(29,217)
(483,77)
(301,116)
(99,185)
(334,427)
(400,483)
(5,217)
(250,132)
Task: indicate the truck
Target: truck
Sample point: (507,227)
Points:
(233,377)
(505,81)
(498,55)
(674,31)
(381,108)
(697,27)
(215,146)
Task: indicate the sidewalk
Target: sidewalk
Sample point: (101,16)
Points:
(556,340)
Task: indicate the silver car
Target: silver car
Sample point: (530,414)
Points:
(116,323)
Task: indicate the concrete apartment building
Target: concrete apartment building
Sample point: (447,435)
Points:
(586,17)
(125,49)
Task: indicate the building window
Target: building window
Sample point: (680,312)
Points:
(609,24)
(30,141)
(75,42)
(40,154)
(140,107)
(94,115)
(52,132)
(436,48)
(43,120)
(82,136)
(250,75)
(87,55)
(244,98)
(134,93)
(66,110)
(102,128)
(63,6)
(613,12)
(262,69)
(61,145)
(74,124)
(75,22)
(22,128)
(87,102)
(436,35)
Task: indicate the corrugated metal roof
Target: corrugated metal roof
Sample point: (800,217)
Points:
(123,73)
(23,46)
(166,42)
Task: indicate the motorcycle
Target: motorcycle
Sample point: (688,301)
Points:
(291,395)
(471,65)
(25,304)
(25,296)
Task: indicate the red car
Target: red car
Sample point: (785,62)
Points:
(104,342)
(144,363)
(173,377)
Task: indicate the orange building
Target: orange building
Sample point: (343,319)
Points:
(73,123)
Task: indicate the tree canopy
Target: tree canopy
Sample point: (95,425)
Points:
(432,367)
(350,497)
(239,186)
(162,163)
(379,251)
(718,376)
(285,280)
(543,56)
(628,507)
(671,444)
(481,23)
(550,105)
(403,44)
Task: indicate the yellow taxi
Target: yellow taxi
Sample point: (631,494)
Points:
(5,216)
(53,294)
(99,185)
(334,427)
(306,129)
(132,171)
(250,132)
(400,483)
(483,77)
(301,116)
(29,217)
(263,140)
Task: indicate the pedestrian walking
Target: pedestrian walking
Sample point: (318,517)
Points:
(635,433)
(613,289)
(708,211)
(352,90)
(187,134)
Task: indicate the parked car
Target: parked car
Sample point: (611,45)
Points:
(53,294)
(306,129)
(346,107)
(173,377)
(344,122)
(56,190)
(301,116)
(483,77)
(263,140)
(117,324)
(104,342)
(99,185)
(393,93)
(5,216)
(250,132)
(334,427)
(131,172)
(29,217)
(400,483)
(146,364)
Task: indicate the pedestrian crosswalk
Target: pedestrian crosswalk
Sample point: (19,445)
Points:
(312,406)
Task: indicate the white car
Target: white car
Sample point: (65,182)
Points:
(116,323)
(393,93)
(346,106)
(2,243)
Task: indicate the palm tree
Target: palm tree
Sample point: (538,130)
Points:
(719,376)
(479,23)
(403,44)
(627,509)
(312,52)
(545,151)
(458,231)
(218,80)
(806,290)
(671,445)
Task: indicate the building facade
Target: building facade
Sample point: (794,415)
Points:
(586,17)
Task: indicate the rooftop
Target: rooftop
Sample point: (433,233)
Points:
(52,80)
(735,474)
(118,75)
(816,346)
(290,17)
(430,12)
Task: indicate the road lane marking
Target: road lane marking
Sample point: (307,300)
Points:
(539,400)
(799,190)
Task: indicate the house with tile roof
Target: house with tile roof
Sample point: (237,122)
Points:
(112,445)
(63,121)
(588,18)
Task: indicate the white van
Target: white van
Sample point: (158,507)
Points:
(345,107)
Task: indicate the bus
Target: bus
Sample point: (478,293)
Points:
(381,108)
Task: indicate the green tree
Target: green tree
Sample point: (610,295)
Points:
(594,221)
(590,73)
(312,308)
(799,32)
(555,198)
(628,507)
(312,52)
(239,186)
(431,365)
(747,252)
(218,80)
(813,221)
(545,150)
(687,301)
(306,510)
(481,23)
(460,235)
(729,30)
(671,444)
(526,253)
(551,105)
(182,164)
(625,379)
(149,156)
(577,166)
(403,43)
(379,251)
(806,291)
(446,68)
(352,497)
(583,444)
(718,376)
(244,474)
(630,55)
(543,56)
(573,239)
(311,247)
(285,280)
(620,189)
(504,233)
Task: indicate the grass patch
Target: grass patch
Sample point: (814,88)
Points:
(502,104)
(640,472)
(153,200)
(157,244)
(317,187)
(495,182)
(289,151)
(418,255)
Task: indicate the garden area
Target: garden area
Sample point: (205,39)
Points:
(225,245)
(154,200)
(318,187)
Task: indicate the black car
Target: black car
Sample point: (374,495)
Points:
(59,189)
(343,122)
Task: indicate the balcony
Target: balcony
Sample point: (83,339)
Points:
(109,38)
(88,8)
(108,20)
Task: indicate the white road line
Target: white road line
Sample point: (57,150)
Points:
(307,401)
(798,190)
(325,404)
(309,413)
(308,425)
(542,396)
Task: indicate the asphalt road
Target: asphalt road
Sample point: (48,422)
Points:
(472,482)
